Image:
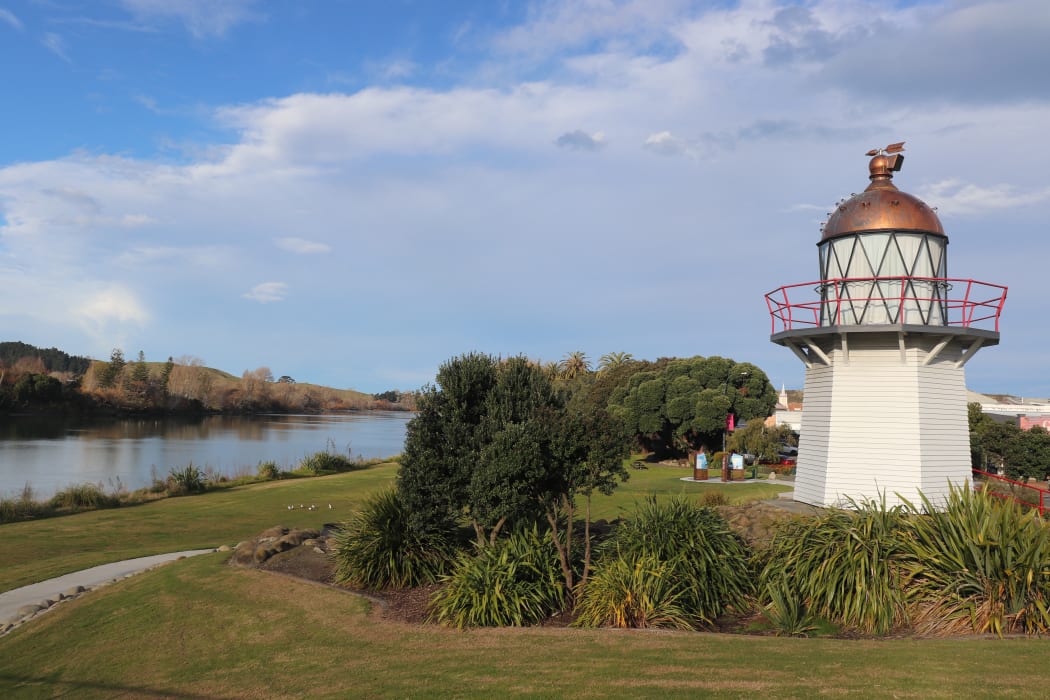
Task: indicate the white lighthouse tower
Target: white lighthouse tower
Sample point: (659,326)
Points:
(884,336)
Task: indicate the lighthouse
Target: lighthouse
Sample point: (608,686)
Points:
(884,336)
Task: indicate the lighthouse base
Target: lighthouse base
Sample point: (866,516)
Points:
(884,419)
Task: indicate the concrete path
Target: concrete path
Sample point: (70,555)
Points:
(22,603)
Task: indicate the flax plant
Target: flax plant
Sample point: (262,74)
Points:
(979,564)
(376,548)
(843,566)
(636,591)
(513,582)
(705,565)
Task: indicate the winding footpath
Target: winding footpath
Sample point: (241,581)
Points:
(20,604)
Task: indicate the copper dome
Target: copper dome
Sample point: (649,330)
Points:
(882,207)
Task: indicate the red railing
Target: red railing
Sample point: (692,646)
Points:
(961,303)
(1041,497)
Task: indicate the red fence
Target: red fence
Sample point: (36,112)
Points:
(1038,498)
(963,303)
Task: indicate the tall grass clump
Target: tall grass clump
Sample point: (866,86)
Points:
(704,564)
(268,471)
(188,479)
(843,566)
(635,590)
(513,582)
(377,549)
(325,462)
(979,564)
(24,507)
(83,497)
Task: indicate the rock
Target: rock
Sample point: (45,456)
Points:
(262,553)
(273,532)
(318,550)
(224,548)
(72,592)
(27,610)
(5,628)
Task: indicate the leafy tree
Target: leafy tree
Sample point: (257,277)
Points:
(762,441)
(492,444)
(443,443)
(684,404)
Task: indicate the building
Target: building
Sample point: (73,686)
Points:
(884,335)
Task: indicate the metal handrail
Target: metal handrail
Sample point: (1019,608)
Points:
(979,302)
(1043,494)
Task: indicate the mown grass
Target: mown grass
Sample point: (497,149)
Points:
(197,628)
(32,551)
(36,550)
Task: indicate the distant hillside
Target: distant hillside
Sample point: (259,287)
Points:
(38,379)
(53,359)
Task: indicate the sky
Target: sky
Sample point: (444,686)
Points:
(350,193)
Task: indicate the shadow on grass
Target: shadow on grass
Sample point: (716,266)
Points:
(56,686)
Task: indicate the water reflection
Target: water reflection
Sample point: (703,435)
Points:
(51,453)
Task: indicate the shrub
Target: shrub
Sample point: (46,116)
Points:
(702,553)
(979,564)
(377,549)
(844,566)
(514,582)
(269,471)
(638,590)
(712,499)
(189,479)
(84,497)
(325,463)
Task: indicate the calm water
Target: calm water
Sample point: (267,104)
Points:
(50,454)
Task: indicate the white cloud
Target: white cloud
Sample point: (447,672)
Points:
(202,18)
(10,18)
(113,303)
(665,143)
(56,45)
(580,140)
(267,292)
(953,197)
(302,246)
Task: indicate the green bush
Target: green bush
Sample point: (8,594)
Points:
(516,581)
(188,479)
(979,564)
(844,566)
(638,590)
(84,497)
(325,463)
(269,471)
(377,549)
(703,555)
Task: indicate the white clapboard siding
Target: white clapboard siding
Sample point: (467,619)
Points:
(878,425)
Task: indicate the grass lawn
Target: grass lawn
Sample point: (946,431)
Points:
(37,550)
(199,629)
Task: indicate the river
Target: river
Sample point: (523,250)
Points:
(51,453)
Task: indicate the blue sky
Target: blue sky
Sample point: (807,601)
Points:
(352,192)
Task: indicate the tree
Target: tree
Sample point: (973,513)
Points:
(684,404)
(110,373)
(762,441)
(612,360)
(574,364)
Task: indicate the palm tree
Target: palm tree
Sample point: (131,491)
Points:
(574,364)
(612,360)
